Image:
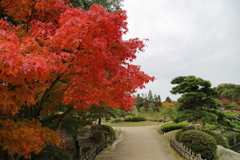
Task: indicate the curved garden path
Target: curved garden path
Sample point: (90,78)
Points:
(139,143)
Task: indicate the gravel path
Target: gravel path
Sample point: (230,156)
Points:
(138,143)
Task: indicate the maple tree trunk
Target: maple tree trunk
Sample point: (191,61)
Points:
(99,121)
(164,119)
(77,146)
(14,157)
(59,125)
(40,107)
(171,116)
(3,154)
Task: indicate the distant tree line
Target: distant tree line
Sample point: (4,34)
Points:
(228,95)
(143,100)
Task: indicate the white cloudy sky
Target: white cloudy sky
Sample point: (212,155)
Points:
(186,37)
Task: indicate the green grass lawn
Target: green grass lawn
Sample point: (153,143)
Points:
(154,115)
(131,124)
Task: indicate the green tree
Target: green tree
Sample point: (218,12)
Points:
(150,96)
(157,100)
(226,93)
(196,99)
(151,108)
(142,110)
(168,99)
(139,101)
(154,98)
(169,111)
(109,5)
(235,93)
(228,90)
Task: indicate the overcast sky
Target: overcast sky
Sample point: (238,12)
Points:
(186,37)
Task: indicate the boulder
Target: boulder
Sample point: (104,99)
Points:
(192,127)
(226,154)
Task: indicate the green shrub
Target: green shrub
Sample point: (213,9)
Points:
(219,139)
(109,131)
(178,134)
(128,118)
(97,136)
(52,153)
(172,126)
(200,143)
(160,120)
(138,118)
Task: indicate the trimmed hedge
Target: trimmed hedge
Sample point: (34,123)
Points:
(172,126)
(109,131)
(178,135)
(97,136)
(200,143)
(51,152)
(219,139)
(139,118)
(105,129)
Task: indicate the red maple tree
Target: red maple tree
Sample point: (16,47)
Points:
(47,47)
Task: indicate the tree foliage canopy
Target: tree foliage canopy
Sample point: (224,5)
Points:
(196,99)
(228,90)
(109,5)
(170,111)
(196,93)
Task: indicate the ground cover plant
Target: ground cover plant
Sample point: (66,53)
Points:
(155,115)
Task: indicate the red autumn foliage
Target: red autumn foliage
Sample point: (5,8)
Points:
(79,55)
(166,103)
(225,101)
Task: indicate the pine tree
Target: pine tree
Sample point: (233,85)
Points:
(168,99)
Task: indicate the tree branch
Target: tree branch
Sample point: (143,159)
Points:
(58,116)
(40,106)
